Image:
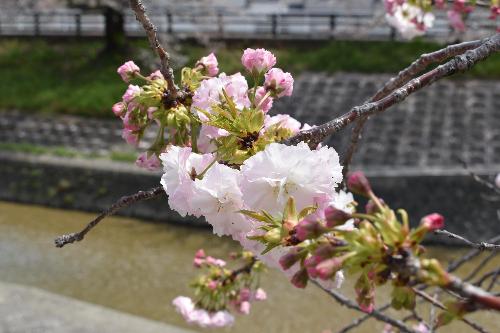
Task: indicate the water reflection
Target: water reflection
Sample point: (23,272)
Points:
(140,267)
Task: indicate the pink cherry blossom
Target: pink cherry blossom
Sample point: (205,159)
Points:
(209,64)
(150,162)
(186,307)
(260,294)
(456,20)
(207,135)
(258,61)
(264,104)
(156,75)
(132,92)
(271,176)
(127,70)
(279,82)
(180,166)
(245,307)
(284,121)
(411,21)
(118,109)
(131,137)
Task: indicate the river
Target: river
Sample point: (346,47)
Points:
(139,267)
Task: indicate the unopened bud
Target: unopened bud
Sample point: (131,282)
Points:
(359,184)
(300,278)
(327,268)
(432,221)
(335,217)
(307,229)
(273,236)
(372,208)
(289,259)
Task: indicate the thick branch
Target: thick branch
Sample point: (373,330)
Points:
(399,80)
(141,16)
(480,246)
(121,203)
(341,299)
(458,64)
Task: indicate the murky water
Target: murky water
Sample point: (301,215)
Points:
(140,267)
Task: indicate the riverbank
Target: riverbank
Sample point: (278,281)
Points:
(77,77)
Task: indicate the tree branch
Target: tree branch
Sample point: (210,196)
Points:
(454,265)
(361,320)
(141,16)
(480,246)
(343,300)
(399,80)
(458,64)
(121,203)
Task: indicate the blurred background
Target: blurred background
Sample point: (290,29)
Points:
(61,148)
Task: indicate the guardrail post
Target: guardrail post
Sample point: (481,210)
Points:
(169,23)
(333,24)
(78,24)
(36,19)
(274,25)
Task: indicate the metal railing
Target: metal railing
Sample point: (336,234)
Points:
(225,26)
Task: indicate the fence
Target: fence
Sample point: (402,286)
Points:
(237,26)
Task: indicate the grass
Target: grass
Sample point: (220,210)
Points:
(78,78)
(33,149)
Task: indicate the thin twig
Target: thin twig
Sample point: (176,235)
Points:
(343,300)
(399,80)
(480,246)
(121,203)
(440,305)
(361,320)
(480,266)
(141,16)
(493,280)
(460,63)
(480,180)
(456,264)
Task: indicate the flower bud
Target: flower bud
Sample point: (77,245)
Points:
(327,268)
(245,307)
(118,109)
(127,70)
(359,184)
(209,64)
(279,83)
(307,229)
(289,259)
(300,278)
(273,236)
(258,61)
(260,294)
(372,208)
(432,222)
(335,217)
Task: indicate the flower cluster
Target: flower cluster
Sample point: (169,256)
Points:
(221,289)
(412,18)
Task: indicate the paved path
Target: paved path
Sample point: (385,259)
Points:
(28,310)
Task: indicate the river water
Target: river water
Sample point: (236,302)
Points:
(139,267)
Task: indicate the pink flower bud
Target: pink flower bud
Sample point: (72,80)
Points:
(118,109)
(279,83)
(209,64)
(198,262)
(456,20)
(130,122)
(212,285)
(371,207)
(149,162)
(327,268)
(307,229)
(265,105)
(290,258)
(200,254)
(358,184)
(131,137)
(258,61)
(260,294)
(156,75)
(335,217)
(300,278)
(244,294)
(245,307)
(215,262)
(132,92)
(127,70)
(432,221)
